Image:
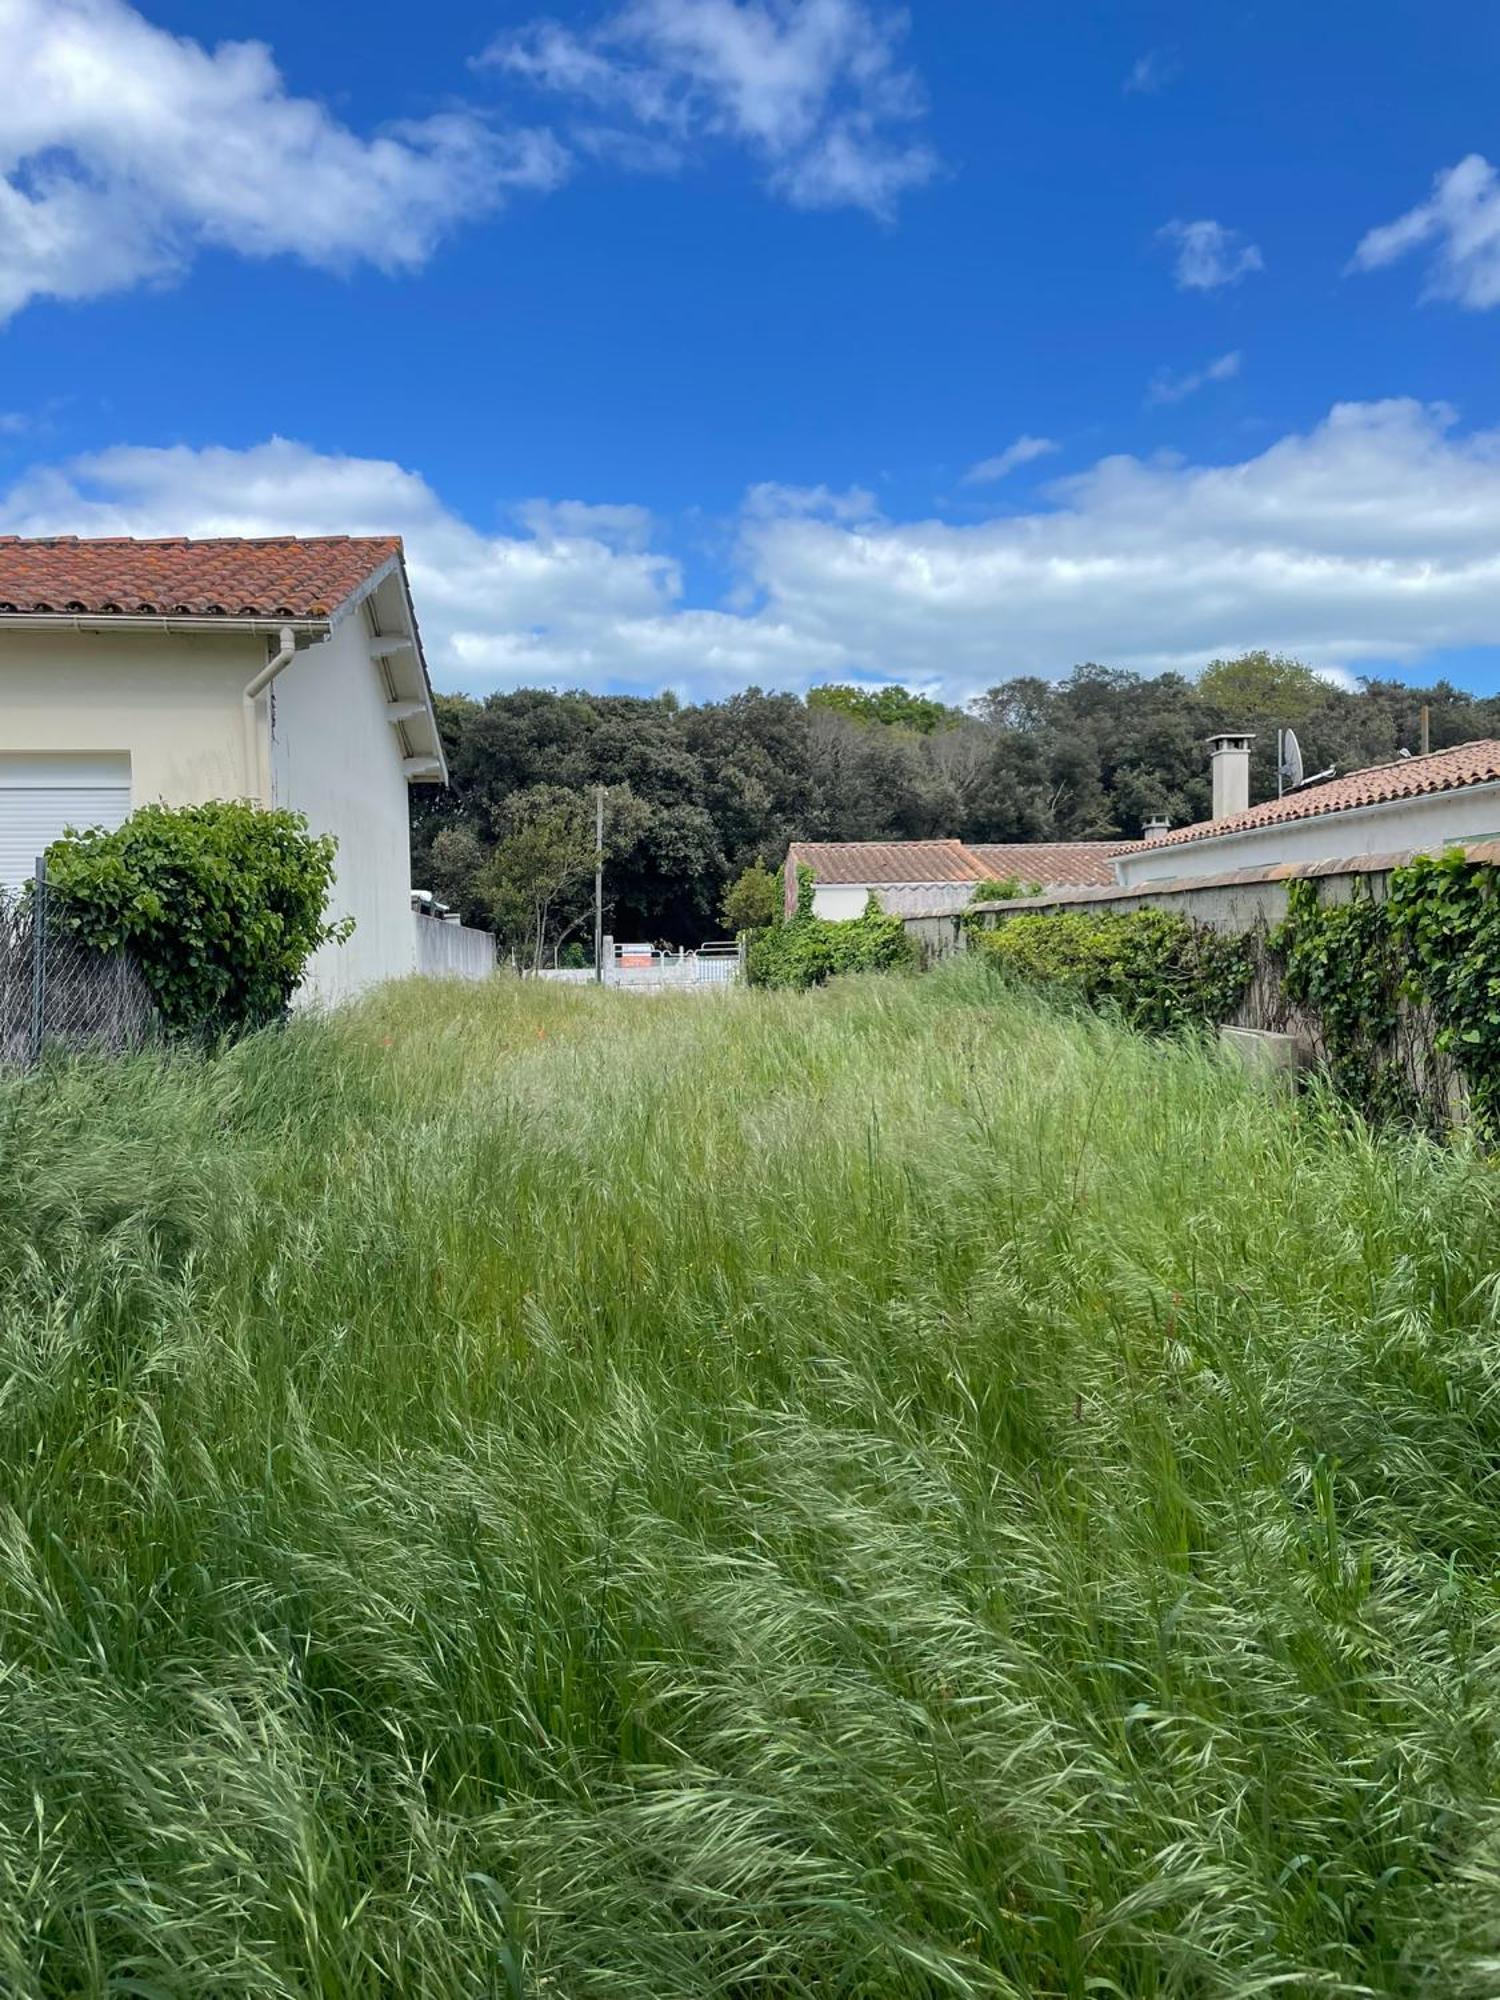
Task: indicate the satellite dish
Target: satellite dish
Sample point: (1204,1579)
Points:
(1291,758)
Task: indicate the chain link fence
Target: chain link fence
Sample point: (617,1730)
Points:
(56,992)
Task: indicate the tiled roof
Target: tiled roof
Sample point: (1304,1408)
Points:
(1052,863)
(1382,784)
(280,577)
(887,860)
(1056,864)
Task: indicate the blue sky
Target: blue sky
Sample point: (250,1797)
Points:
(699,342)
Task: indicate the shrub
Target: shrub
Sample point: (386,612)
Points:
(752,901)
(806,950)
(220,904)
(1159,971)
(1003,889)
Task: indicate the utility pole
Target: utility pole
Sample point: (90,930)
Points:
(599,885)
(1426,738)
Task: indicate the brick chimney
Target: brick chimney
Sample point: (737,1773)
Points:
(1231,771)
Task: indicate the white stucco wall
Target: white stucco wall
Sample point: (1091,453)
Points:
(169,701)
(336,758)
(839,901)
(1403,826)
(842,901)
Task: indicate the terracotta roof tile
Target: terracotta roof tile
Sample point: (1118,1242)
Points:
(1382,784)
(887,860)
(276,577)
(1052,863)
(1055,864)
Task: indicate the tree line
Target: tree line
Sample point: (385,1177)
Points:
(699,792)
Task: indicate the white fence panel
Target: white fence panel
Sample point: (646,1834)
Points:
(452,951)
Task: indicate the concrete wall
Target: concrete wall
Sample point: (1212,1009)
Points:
(452,951)
(936,937)
(1243,899)
(169,701)
(1404,826)
(336,758)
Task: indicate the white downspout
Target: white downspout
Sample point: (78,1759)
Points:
(257,751)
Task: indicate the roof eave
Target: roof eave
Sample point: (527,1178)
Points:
(395,566)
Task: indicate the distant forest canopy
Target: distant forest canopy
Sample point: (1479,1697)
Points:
(698,792)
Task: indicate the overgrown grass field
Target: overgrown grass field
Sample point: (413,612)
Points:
(888,1492)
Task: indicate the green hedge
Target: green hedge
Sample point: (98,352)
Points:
(220,904)
(1158,971)
(805,950)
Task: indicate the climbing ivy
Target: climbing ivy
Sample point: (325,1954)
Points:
(1345,965)
(1445,915)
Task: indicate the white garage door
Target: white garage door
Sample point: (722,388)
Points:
(41,796)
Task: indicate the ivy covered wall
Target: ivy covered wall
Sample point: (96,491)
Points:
(1387,975)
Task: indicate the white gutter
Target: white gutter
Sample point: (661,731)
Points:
(119,621)
(257,748)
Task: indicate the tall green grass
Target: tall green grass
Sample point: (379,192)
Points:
(881,1493)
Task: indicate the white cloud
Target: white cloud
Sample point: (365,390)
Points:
(1209,255)
(813,88)
(1151,72)
(1373,537)
(1460,224)
(617,527)
(125,149)
(1022,452)
(770,500)
(1169,388)
(577,599)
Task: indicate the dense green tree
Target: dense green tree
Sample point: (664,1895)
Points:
(706,790)
(1263,689)
(534,881)
(891,707)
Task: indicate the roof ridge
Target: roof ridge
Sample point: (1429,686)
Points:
(188,541)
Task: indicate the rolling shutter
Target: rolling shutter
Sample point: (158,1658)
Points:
(40,798)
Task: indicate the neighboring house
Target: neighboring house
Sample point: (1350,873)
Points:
(1413,805)
(911,878)
(284,671)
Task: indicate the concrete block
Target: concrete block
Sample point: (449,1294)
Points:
(1273,1058)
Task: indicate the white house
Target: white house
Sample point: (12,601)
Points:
(1412,805)
(285,671)
(921,878)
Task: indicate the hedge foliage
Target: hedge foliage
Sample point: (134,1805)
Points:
(804,950)
(1158,971)
(221,905)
